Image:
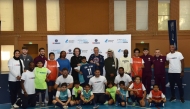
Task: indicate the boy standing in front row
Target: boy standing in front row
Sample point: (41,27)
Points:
(156,97)
(28,87)
(41,74)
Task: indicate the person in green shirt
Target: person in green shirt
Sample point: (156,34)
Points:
(110,93)
(41,74)
(76,92)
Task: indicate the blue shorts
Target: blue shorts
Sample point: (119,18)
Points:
(51,83)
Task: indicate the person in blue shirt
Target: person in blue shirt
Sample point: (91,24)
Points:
(86,70)
(63,62)
(122,94)
(63,97)
(97,59)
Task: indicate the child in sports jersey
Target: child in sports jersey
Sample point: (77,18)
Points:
(41,74)
(110,93)
(87,97)
(76,92)
(156,97)
(53,66)
(122,94)
(63,97)
(137,92)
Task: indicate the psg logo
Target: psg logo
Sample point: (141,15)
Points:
(69,50)
(56,40)
(96,40)
(96,60)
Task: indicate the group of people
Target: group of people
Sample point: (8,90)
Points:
(28,78)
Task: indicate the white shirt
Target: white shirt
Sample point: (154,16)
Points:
(174,62)
(98,84)
(131,87)
(14,68)
(126,78)
(68,93)
(45,65)
(73,92)
(125,63)
(132,60)
(150,95)
(68,80)
(29,84)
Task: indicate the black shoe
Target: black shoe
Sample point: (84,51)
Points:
(182,100)
(172,99)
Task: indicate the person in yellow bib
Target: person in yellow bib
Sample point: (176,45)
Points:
(41,74)
(110,93)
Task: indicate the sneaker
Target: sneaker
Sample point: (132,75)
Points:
(182,100)
(106,102)
(43,104)
(147,96)
(96,107)
(116,104)
(172,99)
(78,107)
(55,106)
(15,106)
(133,104)
(163,105)
(37,103)
(65,107)
(151,105)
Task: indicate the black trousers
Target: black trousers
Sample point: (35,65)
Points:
(99,98)
(175,78)
(30,100)
(15,91)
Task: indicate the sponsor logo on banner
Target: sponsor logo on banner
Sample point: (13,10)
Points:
(108,41)
(69,41)
(69,51)
(120,50)
(56,51)
(122,41)
(82,41)
(56,42)
(96,42)
(84,51)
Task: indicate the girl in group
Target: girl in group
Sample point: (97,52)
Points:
(110,93)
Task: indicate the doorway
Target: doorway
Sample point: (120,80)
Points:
(32,49)
(141,46)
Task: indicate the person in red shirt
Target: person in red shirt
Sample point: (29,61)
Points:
(41,57)
(137,92)
(156,97)
(137,64)
(159,63)
(53,66)
(147,70)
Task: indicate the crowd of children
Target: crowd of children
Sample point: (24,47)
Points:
(44,77)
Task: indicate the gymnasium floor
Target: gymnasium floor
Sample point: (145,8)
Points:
(168,105)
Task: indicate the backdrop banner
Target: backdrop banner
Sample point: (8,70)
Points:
(58,43)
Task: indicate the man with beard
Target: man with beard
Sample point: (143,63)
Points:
(26,58)
(28,87)
(111,66)
(123,77)
(125,62)
(97,59)
(64,78)
(41,57)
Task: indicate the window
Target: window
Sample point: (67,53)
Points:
(6,14)
(120,15)
(184,15)
(30,15)
(163,14)
(142,15)
(6,54)
(53,15)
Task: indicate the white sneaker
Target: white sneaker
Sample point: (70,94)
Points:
(15,106)
(106,102)
(133,104)
(43,104)
(37,103)
(147,96)
(65,107)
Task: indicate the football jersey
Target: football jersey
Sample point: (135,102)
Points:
(88,71)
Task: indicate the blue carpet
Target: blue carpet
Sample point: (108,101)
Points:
(168,105)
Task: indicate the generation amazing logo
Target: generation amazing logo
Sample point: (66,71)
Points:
(56,51)
(96,42)
(122,41)
(84,51)
(69,51)
(109,41)
(56,42)
(82,41)
(69,41)
(120,50)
